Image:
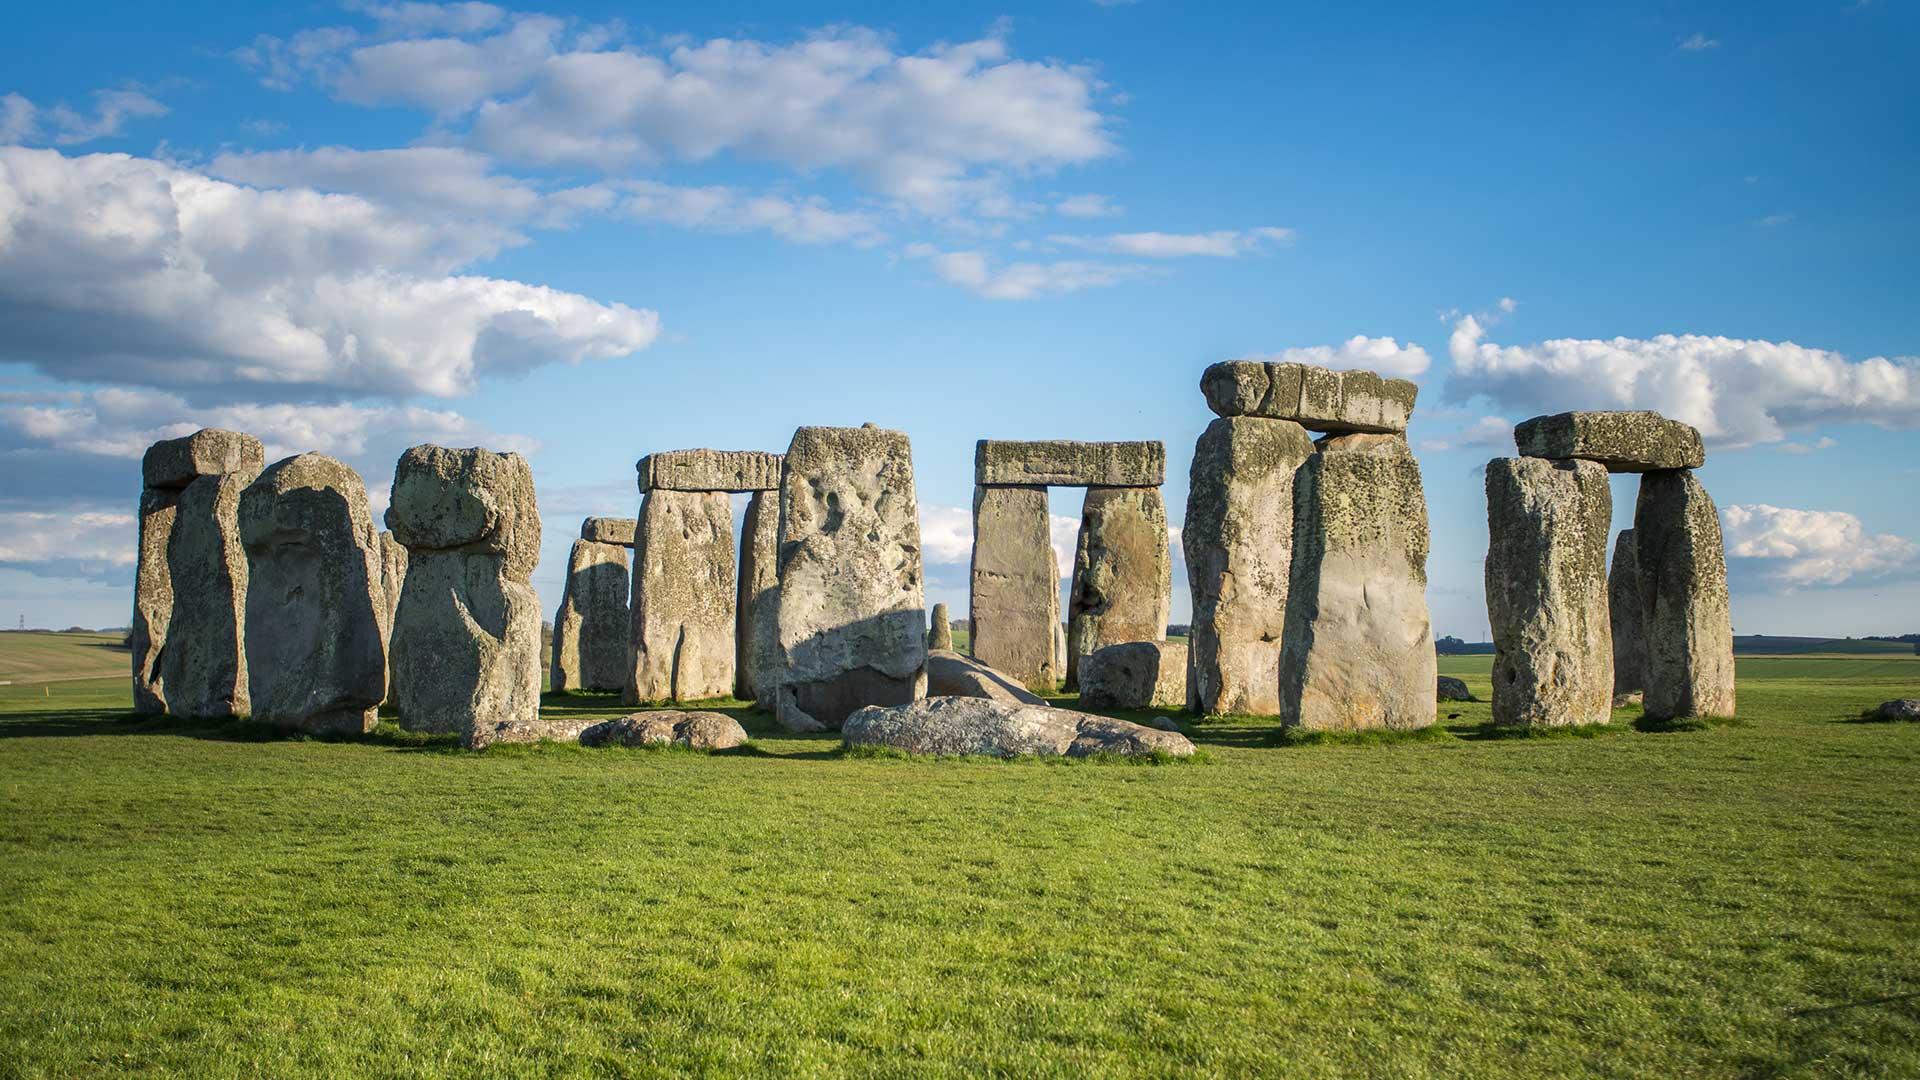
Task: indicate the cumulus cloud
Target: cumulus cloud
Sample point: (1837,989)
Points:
(976,273)
(440,181)
(800,219)
(96,545)
(1795,548)
(1737,392)
(22,121)
(1221,243)
(1381,354)
(946,534)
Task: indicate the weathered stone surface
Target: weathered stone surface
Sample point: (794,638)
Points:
(465,650)
(1122,573)
(940,636)
(203,666)
(1688,621)
(1014,606)
(1546,581)
(175,463)
(682,644)
(1135,675)
(1063,463)
(951,675)
(852,623)
(316,626)
(1314,397)
(662,727)
(966,725)
(1452,689)
(709,470)
(1624,617)
(1358,648)
(591,626)
(1898,709)
(393,578)
(756,663)
(152,599)
(1239,546)
(606,530)
(1622,441)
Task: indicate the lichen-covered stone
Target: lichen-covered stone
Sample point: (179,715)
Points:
(393,578)
(1624,619)
(940,634)
(1357,652)
(1238,538)
(607,530)
(1546,582)
(1687,618)
(175,463)
(1122,573)
(470,500)
(1064,463)
(951,675)
(591,625)
(967,725)
(316,625)
(709,470)
(1316,398)
(852,622)
(682,644)
(756,664)
(1623,441)
(1014,605)
(152,599)
(203,666)
(668,727)
(1135,675)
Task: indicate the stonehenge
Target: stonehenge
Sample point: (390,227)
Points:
(1014,605)
(940,633)
(1623,614)
(1685,615)
(756,654)
(1319,399)
(1633,442)
(1135,675)
(590,628)
(971,725)
(1122,573)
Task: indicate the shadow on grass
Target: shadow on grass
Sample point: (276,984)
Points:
(1875,716)
(889,753)
(1651,726)
(1488,731)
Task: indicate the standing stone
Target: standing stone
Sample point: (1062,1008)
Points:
(1014,604)
(393,577)
(683,595)
(316,628)
(1358,648)
(852,623)
(590,628)
(1122,573)
(152,598)
(466,639)
(1546,580)
(1683,598)
(1623,612)
(941,636)
(1239,546)
(757,610)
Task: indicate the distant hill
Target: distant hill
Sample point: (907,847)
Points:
(1771,645)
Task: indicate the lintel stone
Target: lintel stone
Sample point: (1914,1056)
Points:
(606,530)
(1623,441)
(710,470)
(1063,463)
(1316,398)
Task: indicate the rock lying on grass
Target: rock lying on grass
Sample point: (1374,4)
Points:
(1448,688)
(1135,675)
(951,675)
(695,730)
(964,725)
(1898,709)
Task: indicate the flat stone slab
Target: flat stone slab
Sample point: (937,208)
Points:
(668,727)
(175,463)
(710,470)
(951,675)
(953,726)
(1060,463)
(1625,442)
(1316,398)
(603,530)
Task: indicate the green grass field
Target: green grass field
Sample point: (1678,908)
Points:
(1743,900)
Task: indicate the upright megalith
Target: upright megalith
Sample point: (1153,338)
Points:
(590,628)
(1238,540)
(316,628)
(190,585)
(393,578)
(756,655)
(1013,608)
(1357,651)
(941,634)
(682,642)
(1626,624)
(1122,573)
(465,652)
(852,618)
(1546,581)
(1688,622)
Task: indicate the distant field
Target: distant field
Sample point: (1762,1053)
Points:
(34,657)
(1767,645)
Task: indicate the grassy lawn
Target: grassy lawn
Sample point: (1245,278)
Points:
(1735,901)
(34,656)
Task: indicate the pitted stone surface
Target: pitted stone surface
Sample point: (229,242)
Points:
(709,470)
(1239,547)
(1546,582)
(940,634)
(393,577)
(471,500)
(1062,463)
(756,664)
(1622,441)
(1316,398)
(175,463)
(1624,618)
(203,668)
(1688,622)
(1013,612)
(967,725)
(1135,675)
(1358,648)
(682,644)
(591,626)
(606,530)
(152,599)
(951,675)
(668,727)
(1122,573)
(852,622)
(316,627)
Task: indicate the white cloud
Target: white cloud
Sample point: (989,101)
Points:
(1064,532)
(17,123)
(1775,220)
(1824,442)
(1794,548)
(441,181)
(1380,354)
(946,534)
(1087,206)
(22,121)
(802,220)
(420,18)
(93,544)
(1222,243)
(974,272)
(1699,43)
(1488,431)
(1737,392)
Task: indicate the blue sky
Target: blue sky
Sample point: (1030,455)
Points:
(597,231)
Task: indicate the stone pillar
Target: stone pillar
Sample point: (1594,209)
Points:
(316,628)
(393,577)
(1014,602)
(940,637)
(1122,573)
(757,632)
(1683,598)
(1238,540)
(1623,613)
(465,649)
(1546,581)
(590,628)
(852,621)
(152,598)
(682,637)
(1357,652)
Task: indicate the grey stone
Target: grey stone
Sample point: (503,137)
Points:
(393,577)
(1546,581)
(203,666)
(756,664)
(1449,688)
(668,727)
(1164,723)
(941,634)
(606,530)
(1013,611)
(316,625)
(1238,538)
(1316,398)
(709,470)
(1135,675)
(1621,701)
(152,599)
(852,622)
(1625,621)
(1062,463)
(951,675)
(966,725)
(1629,442)
(1122,573)
(175,463)
(591,626)
(1357,652)
(1898,709)
(1683,598)
(682,644)
(465,652)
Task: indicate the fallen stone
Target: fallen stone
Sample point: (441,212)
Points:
(709,470)
(1316,398)
(951,675)
(591,626)
(1621,701)
(756,661)
(1624,620)
(668,727)
(965,725)
(1688,621)
(1629,442)
(606,530)
(1122,573)
(1451,689)
(175,463)
(1135,675)
(1014,606)
(940,636)
(1062,463)
(1165,723)
(1898,709)
(683,641)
